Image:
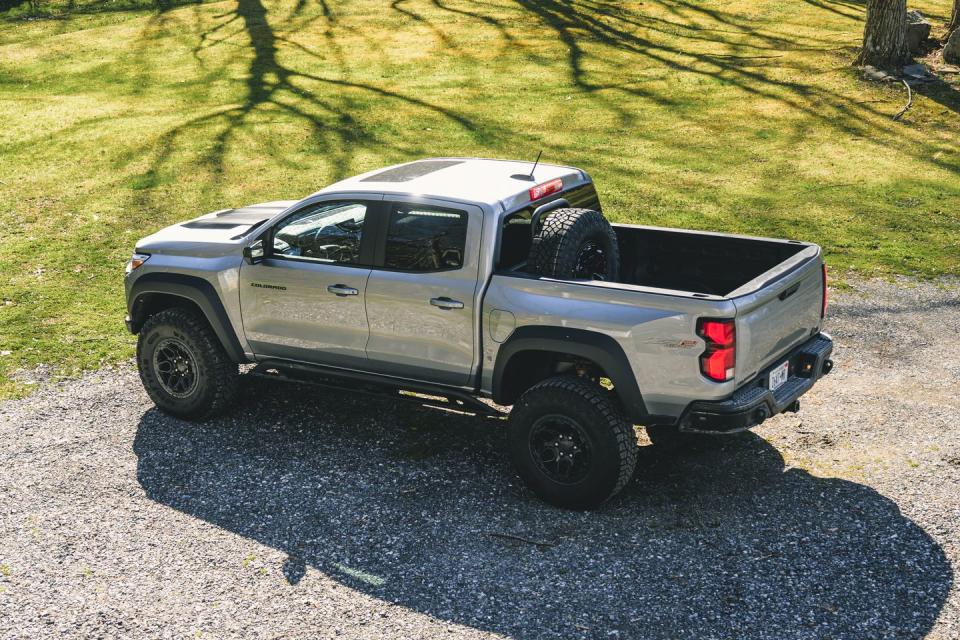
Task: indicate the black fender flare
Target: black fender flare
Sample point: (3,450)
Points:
(590,345)
(196,290)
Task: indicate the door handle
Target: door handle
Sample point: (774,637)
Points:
(446,303)
(342,290)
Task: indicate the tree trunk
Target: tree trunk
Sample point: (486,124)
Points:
(885,35)
(954,18)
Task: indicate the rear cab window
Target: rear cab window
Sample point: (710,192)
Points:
(425,238)
(516,235)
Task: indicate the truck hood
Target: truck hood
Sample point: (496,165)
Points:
(215,233)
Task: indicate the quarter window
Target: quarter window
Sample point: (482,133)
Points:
(326,232)
(425,238)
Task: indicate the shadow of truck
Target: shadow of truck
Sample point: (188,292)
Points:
(722,544)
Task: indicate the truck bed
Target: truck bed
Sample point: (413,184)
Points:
(695,261)
(671,277)
(776,285)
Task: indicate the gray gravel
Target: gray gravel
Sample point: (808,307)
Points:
(311,514)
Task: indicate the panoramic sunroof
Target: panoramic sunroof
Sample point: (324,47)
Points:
(411,171)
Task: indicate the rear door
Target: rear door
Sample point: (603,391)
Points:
(420,302)
(779,315)
(305,300)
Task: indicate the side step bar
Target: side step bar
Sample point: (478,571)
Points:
(433,396)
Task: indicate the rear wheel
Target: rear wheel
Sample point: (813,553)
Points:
(576,244)
(570,443)
(183,366)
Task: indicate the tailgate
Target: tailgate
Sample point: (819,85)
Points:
(781,310)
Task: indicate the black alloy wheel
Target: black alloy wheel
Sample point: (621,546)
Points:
(591,262)
(570,442)
(561,448)
(175,367)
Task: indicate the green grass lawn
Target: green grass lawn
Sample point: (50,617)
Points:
(733,115)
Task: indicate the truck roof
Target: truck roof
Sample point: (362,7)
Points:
(477,180)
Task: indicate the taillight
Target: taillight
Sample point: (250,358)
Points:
(719,360)
(545,189)
(823,304)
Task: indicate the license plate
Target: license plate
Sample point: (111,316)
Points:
(779,375)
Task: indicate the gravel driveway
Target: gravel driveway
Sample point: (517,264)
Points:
(312,514)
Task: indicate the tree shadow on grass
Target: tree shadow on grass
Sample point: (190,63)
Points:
(592,29)
(579,22)
(752,66)
(319,98)
(852,9)
(319,90)
(943,93)
(321,101)
(70,8)
(6,5)
(419,510)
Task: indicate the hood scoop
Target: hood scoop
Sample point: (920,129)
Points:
(242,221)
(232,218)
(204,223)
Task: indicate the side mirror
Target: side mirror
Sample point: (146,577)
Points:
(253,253)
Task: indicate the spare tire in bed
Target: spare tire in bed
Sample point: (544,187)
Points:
(575,244)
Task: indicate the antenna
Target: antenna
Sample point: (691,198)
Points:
(536,163)
(528,177)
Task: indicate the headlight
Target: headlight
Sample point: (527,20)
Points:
(136,260)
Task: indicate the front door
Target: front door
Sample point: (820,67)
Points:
(420,302)
(305,300)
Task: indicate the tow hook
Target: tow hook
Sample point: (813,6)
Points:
(827,366)
(793,407)
(760,415)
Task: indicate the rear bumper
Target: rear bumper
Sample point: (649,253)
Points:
(754,402)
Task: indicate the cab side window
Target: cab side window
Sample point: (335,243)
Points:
(325,232)
(423,238)
(515,240)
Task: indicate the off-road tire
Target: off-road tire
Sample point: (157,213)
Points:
(611,438)
(217,376)
(565,233)
(668,439)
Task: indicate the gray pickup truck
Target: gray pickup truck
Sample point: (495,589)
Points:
(472,285)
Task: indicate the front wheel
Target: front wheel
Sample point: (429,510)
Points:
(571,444)
(183,366)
